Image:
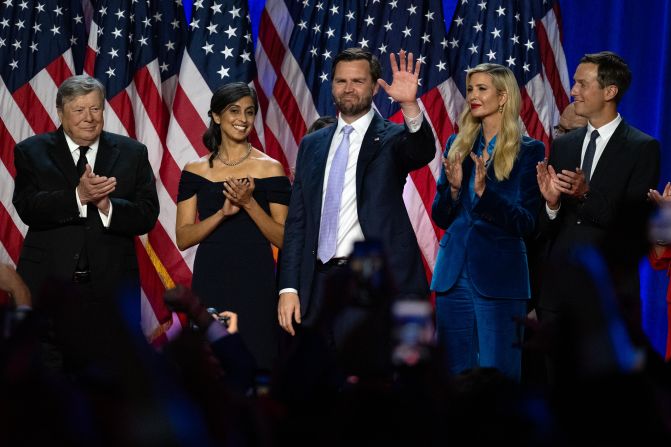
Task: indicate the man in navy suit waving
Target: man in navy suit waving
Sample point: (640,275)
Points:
(348,186)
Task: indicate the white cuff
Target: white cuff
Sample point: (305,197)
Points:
(413,123)
(106,219)
(82,208)
(552,214)
(288,290)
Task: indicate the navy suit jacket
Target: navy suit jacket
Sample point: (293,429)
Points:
(388,153)
(616,207)
(44,197)
(489,236)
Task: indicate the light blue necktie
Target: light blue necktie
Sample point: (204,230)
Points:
(328,227)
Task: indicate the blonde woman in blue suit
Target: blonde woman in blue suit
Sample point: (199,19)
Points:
(487,200)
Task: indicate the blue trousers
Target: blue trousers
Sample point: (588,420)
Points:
(476,331)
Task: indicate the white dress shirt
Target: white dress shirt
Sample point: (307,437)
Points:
(349,229)
(91,158)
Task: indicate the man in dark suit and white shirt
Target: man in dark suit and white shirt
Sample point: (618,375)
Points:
(322,225)
(84,194)
(595,185)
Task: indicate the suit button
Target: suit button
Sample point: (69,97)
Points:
(76,256)
(88,227)
(578,222)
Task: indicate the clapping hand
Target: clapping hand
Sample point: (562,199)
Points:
(663,198)
(239,191)
(454,175)
(545,175)
(571,183)
(95,189)
(480,173)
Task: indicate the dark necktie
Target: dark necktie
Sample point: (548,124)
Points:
(589,155)
(81,163)
(83,259)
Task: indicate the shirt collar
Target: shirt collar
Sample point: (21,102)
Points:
(607,130)
(481,143)
(360,125)
(74,146)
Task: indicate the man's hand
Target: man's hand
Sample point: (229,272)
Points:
(95,189)
(664,197)
(232,326)
(545,175)
(11,282)
(403,88)
(289,309)
(571,183)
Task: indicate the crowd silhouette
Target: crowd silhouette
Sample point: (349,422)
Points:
(201,388)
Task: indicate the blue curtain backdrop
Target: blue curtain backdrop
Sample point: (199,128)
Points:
(641,33)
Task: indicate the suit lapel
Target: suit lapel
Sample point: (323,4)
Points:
(315,178)
(370,145)
(610,152)
(62,157)
(107,155)
(575,154)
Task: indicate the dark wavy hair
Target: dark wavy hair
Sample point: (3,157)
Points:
(222,97)
(611,70)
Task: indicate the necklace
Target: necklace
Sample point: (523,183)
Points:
(236,162)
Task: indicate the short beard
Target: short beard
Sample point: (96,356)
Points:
(352,109)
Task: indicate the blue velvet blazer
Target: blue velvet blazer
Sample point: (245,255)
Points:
(487,237)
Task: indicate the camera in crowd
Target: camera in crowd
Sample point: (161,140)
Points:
(222,319)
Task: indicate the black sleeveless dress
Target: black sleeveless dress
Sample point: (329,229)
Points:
(234,267)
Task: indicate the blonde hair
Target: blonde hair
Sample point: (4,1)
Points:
(508,138)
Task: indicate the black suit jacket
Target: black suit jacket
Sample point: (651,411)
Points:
(388,153)
(44,196)
(614,214)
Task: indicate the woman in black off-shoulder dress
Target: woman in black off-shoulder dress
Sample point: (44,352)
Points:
(233,203)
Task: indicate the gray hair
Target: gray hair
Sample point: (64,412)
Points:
(79,85)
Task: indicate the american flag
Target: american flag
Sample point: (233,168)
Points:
(160,71)
(299,38)
(41,44)
(525,36)
(219,50)
(134,49)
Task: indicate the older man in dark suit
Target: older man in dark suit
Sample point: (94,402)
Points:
(349,183)
(84,194)
(595,184)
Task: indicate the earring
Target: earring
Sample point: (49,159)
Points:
(501,108)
